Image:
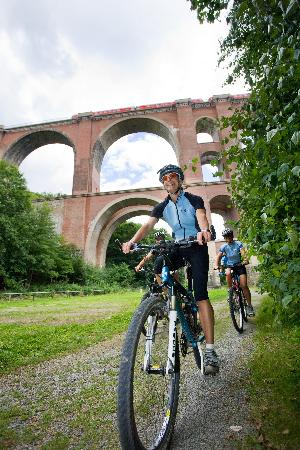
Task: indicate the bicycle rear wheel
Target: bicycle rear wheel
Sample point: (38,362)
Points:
(198,335)
(147,396)
(235,307)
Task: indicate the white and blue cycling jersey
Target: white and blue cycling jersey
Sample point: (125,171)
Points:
(180,215)
(233,252)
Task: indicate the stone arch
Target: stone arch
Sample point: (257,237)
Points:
(20,149)
(106,221)
(209,156)
(222,204)
(209,126)
(129,126)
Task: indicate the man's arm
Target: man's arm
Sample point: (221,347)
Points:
(204,235)
(217,260)
(140,234)
(143,261)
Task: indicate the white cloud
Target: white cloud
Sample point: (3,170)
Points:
(64,57)
(134,163)
(60,58)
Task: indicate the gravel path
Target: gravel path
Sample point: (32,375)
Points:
(50,392)
(213,411)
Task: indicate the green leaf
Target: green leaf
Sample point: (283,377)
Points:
(287,300)
(296,171)
(271,134)
(293,236)
(296,137)
(291,118)
(283,169)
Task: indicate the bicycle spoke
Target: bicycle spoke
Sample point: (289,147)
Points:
(154,394)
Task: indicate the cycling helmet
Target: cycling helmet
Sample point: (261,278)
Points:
(227,232)
(159,234)
(170,168)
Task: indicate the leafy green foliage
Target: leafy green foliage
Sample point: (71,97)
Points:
(30,250)
(263,47)
(208,10)
(32,255)
(273,394)
(123,233)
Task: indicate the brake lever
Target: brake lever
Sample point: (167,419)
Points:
(118,243)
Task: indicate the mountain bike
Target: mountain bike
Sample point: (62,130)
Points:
(164,327)
(237,303)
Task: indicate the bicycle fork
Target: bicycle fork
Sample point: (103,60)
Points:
(150,336)
(172,342)
(172,336)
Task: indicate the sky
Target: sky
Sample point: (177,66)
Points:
(62,57)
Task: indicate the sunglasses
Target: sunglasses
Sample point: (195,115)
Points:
(169,177)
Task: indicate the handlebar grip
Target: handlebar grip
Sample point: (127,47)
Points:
(213,233)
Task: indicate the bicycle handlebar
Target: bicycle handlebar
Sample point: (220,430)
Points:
(165,245)
(168,245)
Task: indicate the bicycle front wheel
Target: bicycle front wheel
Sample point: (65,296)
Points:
(235,307)
(147,395)
(244,304)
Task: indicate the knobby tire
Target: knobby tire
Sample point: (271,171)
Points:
(244,304)
(236,308)
(147,402)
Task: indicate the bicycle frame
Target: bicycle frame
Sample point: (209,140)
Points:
(175,313)
(235,280)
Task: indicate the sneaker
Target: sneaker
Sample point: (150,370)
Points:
(250,311)
(211,362)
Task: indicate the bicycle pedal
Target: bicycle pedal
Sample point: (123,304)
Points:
(156,370)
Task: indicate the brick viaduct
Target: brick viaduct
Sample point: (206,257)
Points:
(88,217)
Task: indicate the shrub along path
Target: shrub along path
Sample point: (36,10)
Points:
(69,401)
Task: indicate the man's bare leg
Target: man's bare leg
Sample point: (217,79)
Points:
(206,314)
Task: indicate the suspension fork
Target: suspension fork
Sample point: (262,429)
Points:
(150,335)
(172,332)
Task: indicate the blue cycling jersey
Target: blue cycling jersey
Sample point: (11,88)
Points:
(233,252)
(180,215)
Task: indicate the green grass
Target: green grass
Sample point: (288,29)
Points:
(66,309)
(219,294)
(275,383)
(29,344)
(29,337)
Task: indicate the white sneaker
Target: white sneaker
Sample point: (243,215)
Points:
(250,311)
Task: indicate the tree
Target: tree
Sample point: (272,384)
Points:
(123,233)
(30,249)
(263,47)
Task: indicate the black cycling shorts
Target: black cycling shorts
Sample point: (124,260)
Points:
(239,269)
(176,261)
(197,256)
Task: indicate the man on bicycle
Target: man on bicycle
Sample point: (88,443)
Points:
(159,261)
(235,253)
(185,214)
(158,236)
